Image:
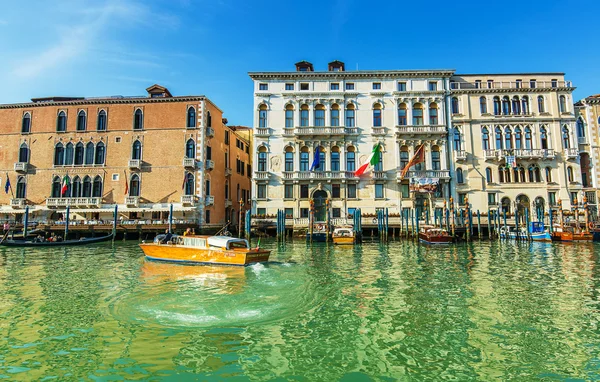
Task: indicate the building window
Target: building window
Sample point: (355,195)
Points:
(349,86)
(552,198)
(378,191)
(262,159)
(334,86)
(335,115)
(89,153)
(570,176)
(505,105)
(289,213)
(519,84)
(61,122)
(459,176)
(304,212)
(405,190)
(350,116)
(136,150)
(563,104)
(81,121)
(261,191)
(457,140)
(417,114)
(56,188)
(462,199)
(304,159)
(262,116)
(138,119)
(289,87)
(548,175)
(403,157)
(207,216)
(490,84)
(498,139)
(289,116)
(485,138)
(435,158)
(351,189)
(304,86)
(433,114)
(491,199)
(26,123)
(321,166)
(100,154)
(320,115)
(336,212)
(59,155)
(134,185)
(543,138)
(23,153)
(377,115)
(335,158)
(189,184)
(516,105)
(376,85)
(477,84)
(508,138)
(79,154)
(289,159)
(402,119)
(497,106)
(518,138)
(554,83)
(580,128)
(488,175)
(76,186)
(190,149)
(304,191)
(263,87)
(528,138)
(541,107)
(335,191)
(432,86)
(101,123)
(454,105)
(97,187)
(566,137)
(525,105)
(401,86)
(191,117)
(532,84)
(288,191)
(304,115)
(574,200)
(69,154)
(350,159)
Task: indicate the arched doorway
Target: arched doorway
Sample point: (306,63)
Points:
(320,200)
(540,208)
(523,207)
(505,203)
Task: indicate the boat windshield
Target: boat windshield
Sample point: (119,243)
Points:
(238,244)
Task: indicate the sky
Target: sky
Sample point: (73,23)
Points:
(98,48)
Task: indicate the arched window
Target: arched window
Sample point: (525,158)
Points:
(59,155)
(190,148)
(497,107)
(548,174)
(488,175)
(501,174)
(81,121)
(79,151)
(377,115)
(507,175)
(304,115)
(379,165)
(335,115)
(537,176)
(518,138)
(499,145)
(335,159)
(419,166)
(516,105)
(350,159)
(76,187)
(541,106)
(403,157)
(417,114)
(566,137)
(191,117)
(454,105)
(528,138)
(26,123)
(289,159)
(66,192)
(483,105)
(521,174)
(350,115)
(138,119)
(435,158)
(485,138)
(562,103)
(61,121)
(56,186)
(69,154)
(101,126)
(86,190)
(580,128)
(402,119)
(508,138)
(319,115)
(460,179)
(289,116)
(505,105)
(543,138)
(457,139)
(505,203)
(24,153)
(433,114)
(208,119)
(100,153)
(189,184)
(570,176)
(89,153)
(304,159)
(136,150)
(21,188)
(321,166)
(525,105)
(134,185)
(262,158)
(262,116)
(97,187)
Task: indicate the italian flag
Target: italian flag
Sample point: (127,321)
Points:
(373,160)
(65,185)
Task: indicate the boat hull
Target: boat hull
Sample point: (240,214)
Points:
(66,243)
(534,236)
(191,255)
(431,239)
(343,240)
(570,236)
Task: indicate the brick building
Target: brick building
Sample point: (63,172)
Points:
(142,153)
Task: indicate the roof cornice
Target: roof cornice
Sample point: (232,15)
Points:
(511,90)
(104,101)
(353,74)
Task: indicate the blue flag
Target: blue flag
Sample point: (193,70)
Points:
(317,160)
(7,185)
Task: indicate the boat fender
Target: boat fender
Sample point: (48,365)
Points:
(591,225)
(320,227)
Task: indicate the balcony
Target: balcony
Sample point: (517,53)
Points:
(74,202)
(210,200)
(379,175)
(261,175)
(580,140)
(509,85)
(491,154)
(135,164)
(21,166)
(571,153)
(262,132)
(321,175)
(440,174)
(210,132)
(460,155)
(534,154)
(132,201)
(189,162)
(188,200)
(228,171)
(420,130)
(210,164)
(18,203)
(378,131)
(323,131)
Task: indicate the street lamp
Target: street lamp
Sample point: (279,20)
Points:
(240,222)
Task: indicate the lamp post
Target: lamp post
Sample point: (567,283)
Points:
(240,220)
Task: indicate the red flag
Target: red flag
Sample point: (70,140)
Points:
(126,183)
(419,157)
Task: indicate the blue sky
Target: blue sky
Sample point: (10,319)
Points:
(110,47)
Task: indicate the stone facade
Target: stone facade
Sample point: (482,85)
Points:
(587,112)
(141,153)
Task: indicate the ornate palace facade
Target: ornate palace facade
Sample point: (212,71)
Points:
(587,112)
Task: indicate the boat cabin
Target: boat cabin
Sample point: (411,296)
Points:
(536,227)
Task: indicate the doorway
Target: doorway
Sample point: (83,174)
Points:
(320,200)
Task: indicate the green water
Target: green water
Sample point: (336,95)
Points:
(489,311)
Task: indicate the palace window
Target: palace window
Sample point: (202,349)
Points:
(403,157)
(97,187)
(417,114)
(138,119)
(334,86)
(100,154)
(566,137)
(76,187)
(81,121)
(289,87)
(433,86)
(24,153)
(378,191)
(543,138)
(136,150)
(541,106)
(26,123)
(61,122)
(134,185)
(101,123)
(548,174)
(263,86)
(335,158)
(433,114)
(350,115)
(485,138)
(304,115)
(189,184)
(56,188)
(570,176)
(289,159)
(304,159)
(335,191)
(460,179)
(497,106)
(59,155)
(304,191)
(483,105)
(435,158)
(488,175)
(349,86)
(335,115)
(402,121)
(190,149)
(289,116)
(79,153)
(379,164)
(505,106)
(518,138)
(350,159)
(499,145)
(401,86)
(376,85)
(288,191)
(319,115)
(86,189)
(525,105)
(191,117)
(89,153)
(262,159)
(351,190)
(377,115)
(454,105)
(262,116)
(528,138)
(69,154)
(562,104)
(580,128)
(457,139)
(516,105)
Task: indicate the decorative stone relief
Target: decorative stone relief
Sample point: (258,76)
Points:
(276,163)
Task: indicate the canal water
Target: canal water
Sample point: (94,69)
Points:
(397,311)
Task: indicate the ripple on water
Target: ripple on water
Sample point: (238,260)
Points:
(174,295)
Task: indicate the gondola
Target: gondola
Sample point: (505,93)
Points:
(33,243)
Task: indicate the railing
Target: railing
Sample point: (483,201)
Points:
(324,131)
(532,153)
(188,200)
(492,154)
(378,131)
(571,153)
(189,162)
(460,155)
(210,132)
(525,84)
(262,132)
(133,201)
(580,140)
(209,200)
(380,175)
(210,164)
(317,174)
(228,171)
(18,203)
(21,166)
(428,174)
(135,163)
(261,175)
(288,132)
(74,202)
(425,129)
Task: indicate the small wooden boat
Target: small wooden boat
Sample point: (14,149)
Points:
(38,243)
(196,249)
(432,235)
(571,234)
(343,235)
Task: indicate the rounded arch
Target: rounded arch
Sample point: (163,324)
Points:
(289,106)
(262,106)
(351,105)
(505,205)
(335,106)
(460,177)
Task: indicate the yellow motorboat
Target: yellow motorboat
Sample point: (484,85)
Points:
(343,235)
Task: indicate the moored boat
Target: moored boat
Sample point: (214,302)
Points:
(343,235)
(571,234)
(195,249)
(535,231)
(45,243)
(432,235)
